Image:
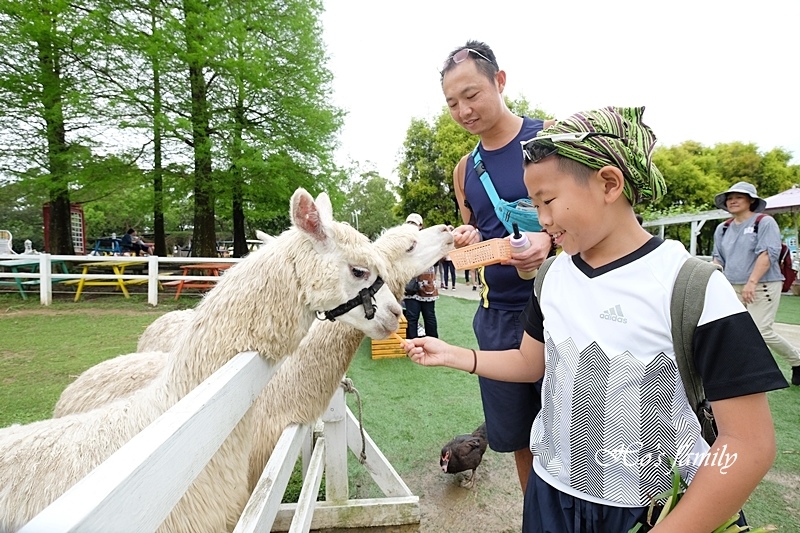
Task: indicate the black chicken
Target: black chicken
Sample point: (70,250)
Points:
(463,453)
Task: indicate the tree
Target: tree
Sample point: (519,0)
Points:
(370,205)
(46,100)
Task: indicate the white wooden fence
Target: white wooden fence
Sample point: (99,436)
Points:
(153,469)
(155,266)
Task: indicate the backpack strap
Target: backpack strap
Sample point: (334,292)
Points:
(686,306)
(537,282)
(483,174)
(727,223)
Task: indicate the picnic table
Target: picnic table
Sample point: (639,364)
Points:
(28,265)
(116,267)
(204,269)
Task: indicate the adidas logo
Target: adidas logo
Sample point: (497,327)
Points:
(614,314)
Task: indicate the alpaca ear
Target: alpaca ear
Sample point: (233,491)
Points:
(323,202)
(306,215)
(263,237)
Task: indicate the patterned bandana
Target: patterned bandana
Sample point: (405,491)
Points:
(632,153)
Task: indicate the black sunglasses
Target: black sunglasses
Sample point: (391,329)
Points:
(536,149)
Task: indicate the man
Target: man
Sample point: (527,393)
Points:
(473,87)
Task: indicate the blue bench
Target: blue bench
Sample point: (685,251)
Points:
(107,246)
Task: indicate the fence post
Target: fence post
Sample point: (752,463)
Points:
(336,488)
(46,279)
(152,282)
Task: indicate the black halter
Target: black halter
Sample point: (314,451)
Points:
(365,297)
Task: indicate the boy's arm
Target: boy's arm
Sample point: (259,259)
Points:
(523,365)
(740,457)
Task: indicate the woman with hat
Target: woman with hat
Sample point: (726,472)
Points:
(747,246)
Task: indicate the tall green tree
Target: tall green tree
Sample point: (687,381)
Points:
(47,100)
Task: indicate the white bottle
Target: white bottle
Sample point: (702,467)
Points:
(519,242)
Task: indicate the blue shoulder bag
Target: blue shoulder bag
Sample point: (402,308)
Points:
(519,211)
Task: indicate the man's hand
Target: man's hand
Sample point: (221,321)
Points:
(465,235)
(533,257)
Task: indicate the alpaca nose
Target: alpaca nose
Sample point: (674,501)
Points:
(397,311)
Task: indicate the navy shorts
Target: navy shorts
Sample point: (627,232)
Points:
(509,408)
(548,510)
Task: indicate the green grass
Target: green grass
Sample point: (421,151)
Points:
(409,411)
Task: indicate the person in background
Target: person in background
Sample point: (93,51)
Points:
(615,416)
(133,244)
(748,252)
(420,296)
(473,85)
(448,269)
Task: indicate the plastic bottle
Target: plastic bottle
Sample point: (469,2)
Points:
(519,242)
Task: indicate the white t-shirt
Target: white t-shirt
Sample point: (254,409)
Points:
(614,410)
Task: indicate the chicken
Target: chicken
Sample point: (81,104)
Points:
(463,453)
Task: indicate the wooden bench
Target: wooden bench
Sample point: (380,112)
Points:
(390,348)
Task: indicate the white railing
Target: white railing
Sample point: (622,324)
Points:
(154,469)
(153,263)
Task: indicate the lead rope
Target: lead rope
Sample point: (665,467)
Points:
(347,385)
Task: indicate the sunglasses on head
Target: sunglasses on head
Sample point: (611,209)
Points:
(536,149)
(461,56)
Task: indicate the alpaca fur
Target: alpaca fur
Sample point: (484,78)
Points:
(328,348)
(265,303)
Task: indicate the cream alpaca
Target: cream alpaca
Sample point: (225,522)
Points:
(329,347)
(322,262)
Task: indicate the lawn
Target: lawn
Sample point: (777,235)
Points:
(410,411)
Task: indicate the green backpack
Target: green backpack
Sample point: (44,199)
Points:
(685,312)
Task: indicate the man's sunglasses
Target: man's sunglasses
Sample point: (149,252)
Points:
(461,56)
(536,149)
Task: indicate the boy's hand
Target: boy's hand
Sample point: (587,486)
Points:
(428,351)
(465,235)
(533,257)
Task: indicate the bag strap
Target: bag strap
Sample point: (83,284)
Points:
(727,223)
(686,306)
(483,174)
(537,282)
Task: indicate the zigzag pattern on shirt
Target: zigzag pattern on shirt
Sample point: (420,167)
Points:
(622,428)
(620,407)
(588,419)
(658,434)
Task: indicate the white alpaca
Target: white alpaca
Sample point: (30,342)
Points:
(265,303)
(329,348)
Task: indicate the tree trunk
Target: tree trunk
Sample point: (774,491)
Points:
(204,238)
(158,170)
(60,230)
(237,190)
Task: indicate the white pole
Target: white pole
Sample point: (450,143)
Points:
(152,281)
(46,279)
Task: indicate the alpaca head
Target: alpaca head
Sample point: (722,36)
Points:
(340,265)
(411,251)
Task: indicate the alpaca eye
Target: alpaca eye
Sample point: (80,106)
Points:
(412,247)
(359,273)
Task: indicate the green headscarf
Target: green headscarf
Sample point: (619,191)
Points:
(632,153)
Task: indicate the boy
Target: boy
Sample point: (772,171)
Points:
(614,412)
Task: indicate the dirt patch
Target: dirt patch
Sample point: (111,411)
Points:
(494,505)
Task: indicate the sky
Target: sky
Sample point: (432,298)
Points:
(705,70)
